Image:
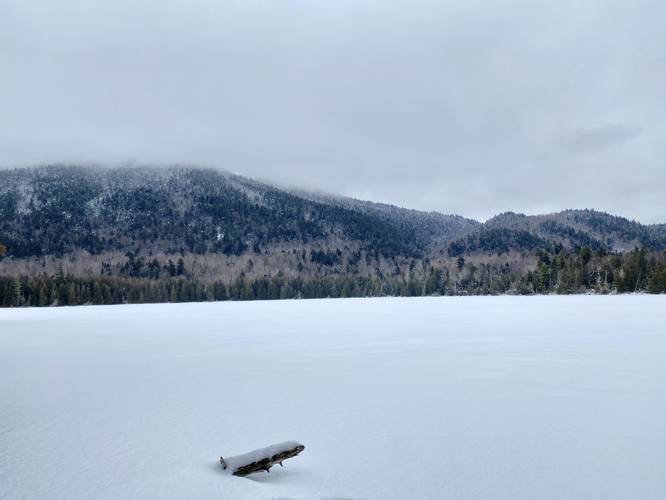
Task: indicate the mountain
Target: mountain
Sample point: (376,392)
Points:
(58,210)
(206,226)
(567,229)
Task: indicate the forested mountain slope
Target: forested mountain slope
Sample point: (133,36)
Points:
(162,227)
(568,229)
(56,210)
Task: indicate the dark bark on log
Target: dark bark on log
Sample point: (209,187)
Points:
(265,463)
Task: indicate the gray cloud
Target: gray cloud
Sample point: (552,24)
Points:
(473,109)
(600,138)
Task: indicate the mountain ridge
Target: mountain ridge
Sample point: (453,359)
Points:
(148,229)
(104,196)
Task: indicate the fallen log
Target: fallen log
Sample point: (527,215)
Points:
(261,459)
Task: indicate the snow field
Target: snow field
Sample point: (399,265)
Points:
(393,398)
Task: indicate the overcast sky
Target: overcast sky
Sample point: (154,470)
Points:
(469,107)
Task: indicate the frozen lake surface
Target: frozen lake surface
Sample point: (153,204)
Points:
(425,398)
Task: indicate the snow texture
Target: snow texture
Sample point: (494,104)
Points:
(237,461)
(427,398)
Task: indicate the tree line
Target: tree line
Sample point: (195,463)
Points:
(566,272)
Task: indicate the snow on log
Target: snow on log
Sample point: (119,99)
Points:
(261,459)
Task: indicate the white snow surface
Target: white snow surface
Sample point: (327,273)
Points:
(394,398)
(256,455)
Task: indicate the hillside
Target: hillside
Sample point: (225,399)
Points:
(205,226)
(569,229)
(57,210)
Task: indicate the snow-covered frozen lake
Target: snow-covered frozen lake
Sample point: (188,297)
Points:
(428,398)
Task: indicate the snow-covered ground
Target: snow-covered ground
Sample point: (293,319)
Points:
(462,398)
